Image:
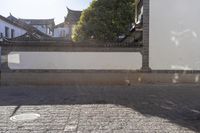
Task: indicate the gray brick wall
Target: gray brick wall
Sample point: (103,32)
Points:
(145,52)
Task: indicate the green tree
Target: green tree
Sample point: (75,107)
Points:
(105,20)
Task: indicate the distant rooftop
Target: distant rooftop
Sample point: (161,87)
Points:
(29,28)
(39,21)
(72,16)
(10,21)
(59,25)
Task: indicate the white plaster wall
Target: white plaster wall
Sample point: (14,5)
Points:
(75,60)
(57,31)
(41,28)
(18,31)
(175,34)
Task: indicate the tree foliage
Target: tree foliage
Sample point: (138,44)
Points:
(104,20)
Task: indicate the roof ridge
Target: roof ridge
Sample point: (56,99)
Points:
(19,23)
(59,25)
(36,19)
(73,10)
(12,22)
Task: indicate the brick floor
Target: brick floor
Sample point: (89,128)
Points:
(141,108)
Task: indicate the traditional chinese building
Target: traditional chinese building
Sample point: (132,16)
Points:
(44,25)
(10,29)
(65,29)
(31,31)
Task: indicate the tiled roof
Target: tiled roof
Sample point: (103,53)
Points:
(61,25)
(11,22)
(32,37)
(27,37)
(39,21)
(25,26)
(72,16)
(12,18)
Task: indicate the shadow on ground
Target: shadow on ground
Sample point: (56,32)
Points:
(180,104)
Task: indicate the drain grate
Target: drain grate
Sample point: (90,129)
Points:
(24,117)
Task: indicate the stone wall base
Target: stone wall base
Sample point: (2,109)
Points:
(97,78)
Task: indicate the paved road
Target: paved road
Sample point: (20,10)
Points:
(142,108)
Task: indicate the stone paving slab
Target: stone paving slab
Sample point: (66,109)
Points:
(135,109)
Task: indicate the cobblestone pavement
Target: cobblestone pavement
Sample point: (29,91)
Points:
(141,108)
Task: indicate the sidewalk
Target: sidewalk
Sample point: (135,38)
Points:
(144,108)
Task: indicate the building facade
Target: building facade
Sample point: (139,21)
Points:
(44,25)
(62,30)
(65,29)
(9,29)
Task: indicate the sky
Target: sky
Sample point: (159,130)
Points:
(41,9)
